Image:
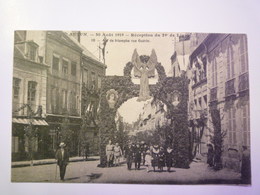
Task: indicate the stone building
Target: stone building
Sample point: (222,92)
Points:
(224,59)
(63,89)
(92,73)
(153,115)
(29,126)
(198,97)
(60,72)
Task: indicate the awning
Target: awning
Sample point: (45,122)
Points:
(25,121)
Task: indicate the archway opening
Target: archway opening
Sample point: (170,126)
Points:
(141,121)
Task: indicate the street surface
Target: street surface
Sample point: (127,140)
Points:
(88,172)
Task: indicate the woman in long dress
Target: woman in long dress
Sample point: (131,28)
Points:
(155,156)
(117,154)
(169,158)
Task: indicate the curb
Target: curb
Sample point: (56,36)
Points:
(49,162)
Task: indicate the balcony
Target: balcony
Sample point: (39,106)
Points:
(213,94)
(64,111)
(199,83)
(74,112)
(243,84)
(230,88)
(20,109)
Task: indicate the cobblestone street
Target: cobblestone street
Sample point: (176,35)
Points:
(88,172)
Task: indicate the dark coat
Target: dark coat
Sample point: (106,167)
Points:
(246,166)
(137,154)
(161,159)
(65,159)
(155,156)
(169,158)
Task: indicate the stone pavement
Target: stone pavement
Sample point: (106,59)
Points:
(88,172)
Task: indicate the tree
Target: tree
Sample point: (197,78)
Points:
(217,138)
(195,139)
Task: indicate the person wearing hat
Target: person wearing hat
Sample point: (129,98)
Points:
(155,155)
(62,157)
(110,153)
(210,155)
(169,158)
(137,156)
(143,151)
(161,159)
(245,166)
(148,160)
(128,155)
(117,154)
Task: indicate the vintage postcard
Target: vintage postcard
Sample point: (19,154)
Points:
(130,107)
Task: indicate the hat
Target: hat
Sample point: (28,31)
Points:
(62,144)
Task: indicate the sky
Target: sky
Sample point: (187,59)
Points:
(119,53)
(135,107)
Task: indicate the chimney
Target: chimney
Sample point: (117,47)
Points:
(76,35)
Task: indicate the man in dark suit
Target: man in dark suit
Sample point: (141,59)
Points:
(62,156)
(129,155)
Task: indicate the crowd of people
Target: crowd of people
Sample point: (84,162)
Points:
(153,157)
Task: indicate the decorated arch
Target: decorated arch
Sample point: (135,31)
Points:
(171,91)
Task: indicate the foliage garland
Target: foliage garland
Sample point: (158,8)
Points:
(176,134)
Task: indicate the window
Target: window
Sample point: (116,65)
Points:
(73,100)
(245,125)
(214,73)
(58,100)
(200,103)
(195,103)
(243,55)
(99,82)
(55,63)
(65,64)
(32,52)
(64,98)
(93,80)
(85,76)
(53,99)
(16,88)
(15,144)
(231,125)
(31,91)
(204,61)
(73,68)
(205,100)
(230,62)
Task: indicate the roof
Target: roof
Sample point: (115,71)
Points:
(18,53)
(85,51)
(63,38)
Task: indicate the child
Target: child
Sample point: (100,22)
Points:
(148,160)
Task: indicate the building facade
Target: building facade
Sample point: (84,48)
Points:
(63,89)
(224,59)
(52,72)
(92,73)
(198,97)
(29,126)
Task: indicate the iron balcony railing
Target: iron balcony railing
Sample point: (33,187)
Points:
(213,94)
(243,84)
(230,88)
(23,109)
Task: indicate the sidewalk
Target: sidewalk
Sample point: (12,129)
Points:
(50,161)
